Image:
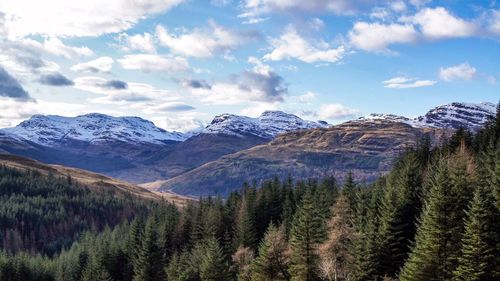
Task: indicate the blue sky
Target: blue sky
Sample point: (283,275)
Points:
(180,62)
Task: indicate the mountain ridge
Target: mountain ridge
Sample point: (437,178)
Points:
(145,157)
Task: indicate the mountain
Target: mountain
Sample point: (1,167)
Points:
(172,160)
(449,116)
(226,134)
(134,149)
(268,125)
(53,130)
(456,115)
(364,148)
(95,142)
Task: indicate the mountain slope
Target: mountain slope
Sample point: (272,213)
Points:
(171,161)
(44,208)
(365,148)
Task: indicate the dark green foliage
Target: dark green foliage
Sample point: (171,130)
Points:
(400,207)
(43,214)
(479,255)
(435,255)
(308,231)
(213,266)
(149,258)
(273,261)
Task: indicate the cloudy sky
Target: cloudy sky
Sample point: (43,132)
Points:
(180,62)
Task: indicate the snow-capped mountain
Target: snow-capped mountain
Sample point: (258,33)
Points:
(457,114)
(93,128)
(267,125)
(449,116)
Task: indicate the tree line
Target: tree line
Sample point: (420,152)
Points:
(435,216)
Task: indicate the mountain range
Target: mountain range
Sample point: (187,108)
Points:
(231,148)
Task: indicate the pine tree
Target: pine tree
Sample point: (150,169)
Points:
(478,260)
(495,174)
(288,211)
(308,231)
(436,250)
(245,229)
(182,267)
(327,192)
(365,239)
(213,266)
(148,264)
(400,207)
(133,244)
(349,189)
(335,251)
(94,269)
(273,261)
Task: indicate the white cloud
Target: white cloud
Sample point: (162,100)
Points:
(144,42)
(427,24)
(380,13)
(203,43)
(183,122)
(377,36)
(256,109)
(25,57)
(316,24)
(407,83)
(102,64)
(292,45)
(53,46)
(154,63)
(335,111)
(458,72)
(133,93)
(398,6)
(260,85)
(307,97)
(439,23)
(56,47)
(494,25)
(77,18)
(13,111)
(164,107)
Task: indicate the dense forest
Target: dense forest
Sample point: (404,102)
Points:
(44,213)
(435,216)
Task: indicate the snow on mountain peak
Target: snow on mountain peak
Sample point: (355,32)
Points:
(448,116)
(267,125)
(93,128)
(458,114)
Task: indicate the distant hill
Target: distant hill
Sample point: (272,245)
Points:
(135,150)
(365,148)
